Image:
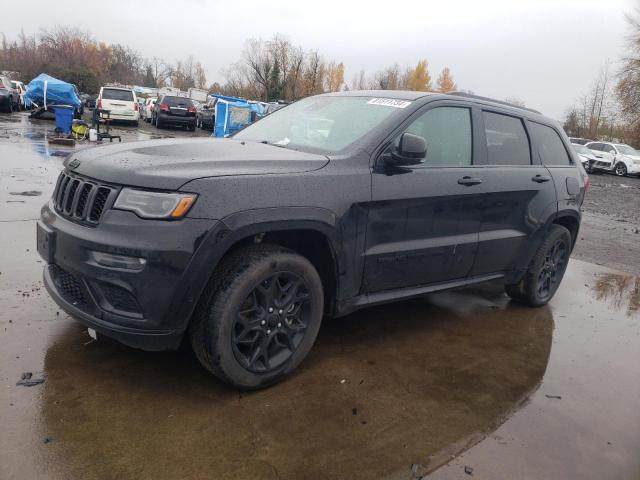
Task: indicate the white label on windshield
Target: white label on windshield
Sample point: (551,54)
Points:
(389,102)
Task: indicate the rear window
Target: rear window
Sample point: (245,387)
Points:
(177,102)
(550,146)
(117,94)
(507,141)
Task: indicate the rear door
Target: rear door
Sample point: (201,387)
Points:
(423,221)
(119,101)
(519,193)
(553,152)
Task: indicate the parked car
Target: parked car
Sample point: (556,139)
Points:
(121,102)
(243,244)
(9,96)
(206,115)
(147,111)
(21,89)
(579,141)
(197,94)
(78,112)
(174,111)
(586,156)
(90,101)
(616,158)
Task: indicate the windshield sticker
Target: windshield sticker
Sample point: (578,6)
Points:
(389,102)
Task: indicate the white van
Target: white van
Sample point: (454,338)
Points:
(198,94)
(121,102)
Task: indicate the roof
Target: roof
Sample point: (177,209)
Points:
(395,94)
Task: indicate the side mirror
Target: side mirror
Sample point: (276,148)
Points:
(612,152)
(411,150)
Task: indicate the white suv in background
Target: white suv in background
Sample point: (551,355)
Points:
(121,102)
(617,158)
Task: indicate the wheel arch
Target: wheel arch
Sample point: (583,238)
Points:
(571,221)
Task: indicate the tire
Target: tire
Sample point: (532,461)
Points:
(240,281)
(528,291)
(192,127)
(158,122)
(136,123)
(620,169)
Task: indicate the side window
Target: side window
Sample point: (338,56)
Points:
(507,141)
(447,132)
(596,146)
(550,146)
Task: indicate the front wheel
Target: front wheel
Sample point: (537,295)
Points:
(545,271)
(620,169)
(258,317)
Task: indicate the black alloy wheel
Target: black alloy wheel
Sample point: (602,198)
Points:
(552,269)
(271,323)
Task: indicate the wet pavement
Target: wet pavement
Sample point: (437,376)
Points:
(389,392)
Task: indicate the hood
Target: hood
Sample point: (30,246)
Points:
(168,164)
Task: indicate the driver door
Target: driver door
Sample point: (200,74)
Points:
(424,219)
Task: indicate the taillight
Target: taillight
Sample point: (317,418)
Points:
(586,183)
(192,109)
(99,104)
(135,107)
(164,106)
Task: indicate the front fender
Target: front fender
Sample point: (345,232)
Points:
(242,225)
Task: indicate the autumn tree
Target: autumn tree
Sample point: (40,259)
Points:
(334,78)
(419,78)
(445,81)
(628,87)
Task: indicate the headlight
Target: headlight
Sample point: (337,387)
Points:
(169,206)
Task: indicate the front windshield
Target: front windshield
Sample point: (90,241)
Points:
(626,150)
(322,124)
(581,149)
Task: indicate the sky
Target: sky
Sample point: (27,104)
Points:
(544,52)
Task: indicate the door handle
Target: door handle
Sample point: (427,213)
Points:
(541,178)
(468,181)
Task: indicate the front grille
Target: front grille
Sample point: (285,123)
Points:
(69,286)
(81,199)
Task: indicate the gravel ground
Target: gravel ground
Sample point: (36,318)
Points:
(609,234)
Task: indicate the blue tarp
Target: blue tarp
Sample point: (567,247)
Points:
(46,89)
(233,114)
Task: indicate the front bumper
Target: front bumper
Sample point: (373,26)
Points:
(147,308)
(633,168)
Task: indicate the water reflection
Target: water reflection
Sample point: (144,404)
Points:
(382,389)
(620,291)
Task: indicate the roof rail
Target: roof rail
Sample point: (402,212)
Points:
(493,100)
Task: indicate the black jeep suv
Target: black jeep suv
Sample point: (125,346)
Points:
(331,204)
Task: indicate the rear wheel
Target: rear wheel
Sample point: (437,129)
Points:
(192,127)
(545,271)
(258,317)
(159,124)
(620,169)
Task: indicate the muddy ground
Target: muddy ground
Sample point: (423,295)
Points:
(610,230)
(389,392)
